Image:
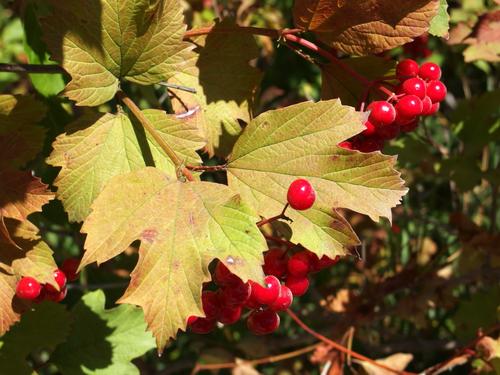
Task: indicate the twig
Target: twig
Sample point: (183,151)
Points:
(178,87)
(152,131)
(274,218)
(341,348)
(255,362)
(31,68)
(203,168)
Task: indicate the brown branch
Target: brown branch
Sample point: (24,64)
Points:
(274,218)
(202,168)
(152,131)
(341,348)
(32,68)
(255,362)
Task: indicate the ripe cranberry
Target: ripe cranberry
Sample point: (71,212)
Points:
(236,294)
(54,295)
(298,285)
(347,145)
(409,106)
(418,48)
(230,314)
(327,262)
(28,288)
(436,91)
(426,106)
(382,112)
(429,71)
(252,304)
(211,304)
(299,264)
(263,322)
(301,195)
(369,144)
(267,294)
(414,86)
(70,267)
(223,276)
(275,262)
(202,326)
(284,300)
(60,278)
(370,128)
(406,69)
(389,131)
(192,319)
(435,108)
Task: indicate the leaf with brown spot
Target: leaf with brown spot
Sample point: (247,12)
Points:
(175,250)
(365,27)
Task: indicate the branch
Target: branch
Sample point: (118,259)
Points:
(31,68)
(255,362)
(152,131)
(202,168)
(274,218)
(341,348)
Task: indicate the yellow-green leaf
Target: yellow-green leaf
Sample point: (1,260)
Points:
(102,42)
(182,228)
(99,146)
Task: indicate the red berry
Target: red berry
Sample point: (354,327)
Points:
(263,322)
(370,128)
(54,295)
(202,326)
(192,319)
(299,264)
(236,294)
(252,304)
(406,69)
(434,109)
(414,86)
(275,262)
(382,112)
(28,288)
(409,106)
(369,144)
(230,315)
(436,91)
(390,131)
(267,294)
(223,276)
(211,304)
(327,262)
(69,267)
(410,126)
(429,71)
(426,106)
(298,285)
(347,145)
(284,300)
(60,279)
(301,195)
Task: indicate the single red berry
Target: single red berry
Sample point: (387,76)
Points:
(429,71)
(223,276)
(263,322)
(267,294)
(426,106)
(418,48)
(230,314)
(192,319)
(410,126)
(211,304)
(275,262)
(389,131)
(70,267)
(347,145)
(236,294)
(370,128)
(54,295)
(369,144)
(202,326)
(434,109)
(60,279)
(28,288)
(252,304)
(298,285)
(406,69)
(409,106)
(301,195)
(284,300)
(396,229)
(327,262)
(299,264)
(414,86)
(382,112)
(436,91)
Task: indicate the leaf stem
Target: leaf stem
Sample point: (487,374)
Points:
(274,218)
(152,131)
(203,168)
(341,348)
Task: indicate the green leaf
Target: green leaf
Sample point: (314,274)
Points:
(440,24)
(223,99)
(103,341)
(99,43)
(43,327)
(46,84)
(300,141)
(337,84)
(182,228)
(99,146)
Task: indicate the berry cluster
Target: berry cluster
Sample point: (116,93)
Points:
(286,277)
(419,93)
(29,288)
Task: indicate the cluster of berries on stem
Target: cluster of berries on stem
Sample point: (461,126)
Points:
(28,288)
(419,93)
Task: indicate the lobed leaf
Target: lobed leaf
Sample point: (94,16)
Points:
(182,227)
(440,24)
(300,141)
